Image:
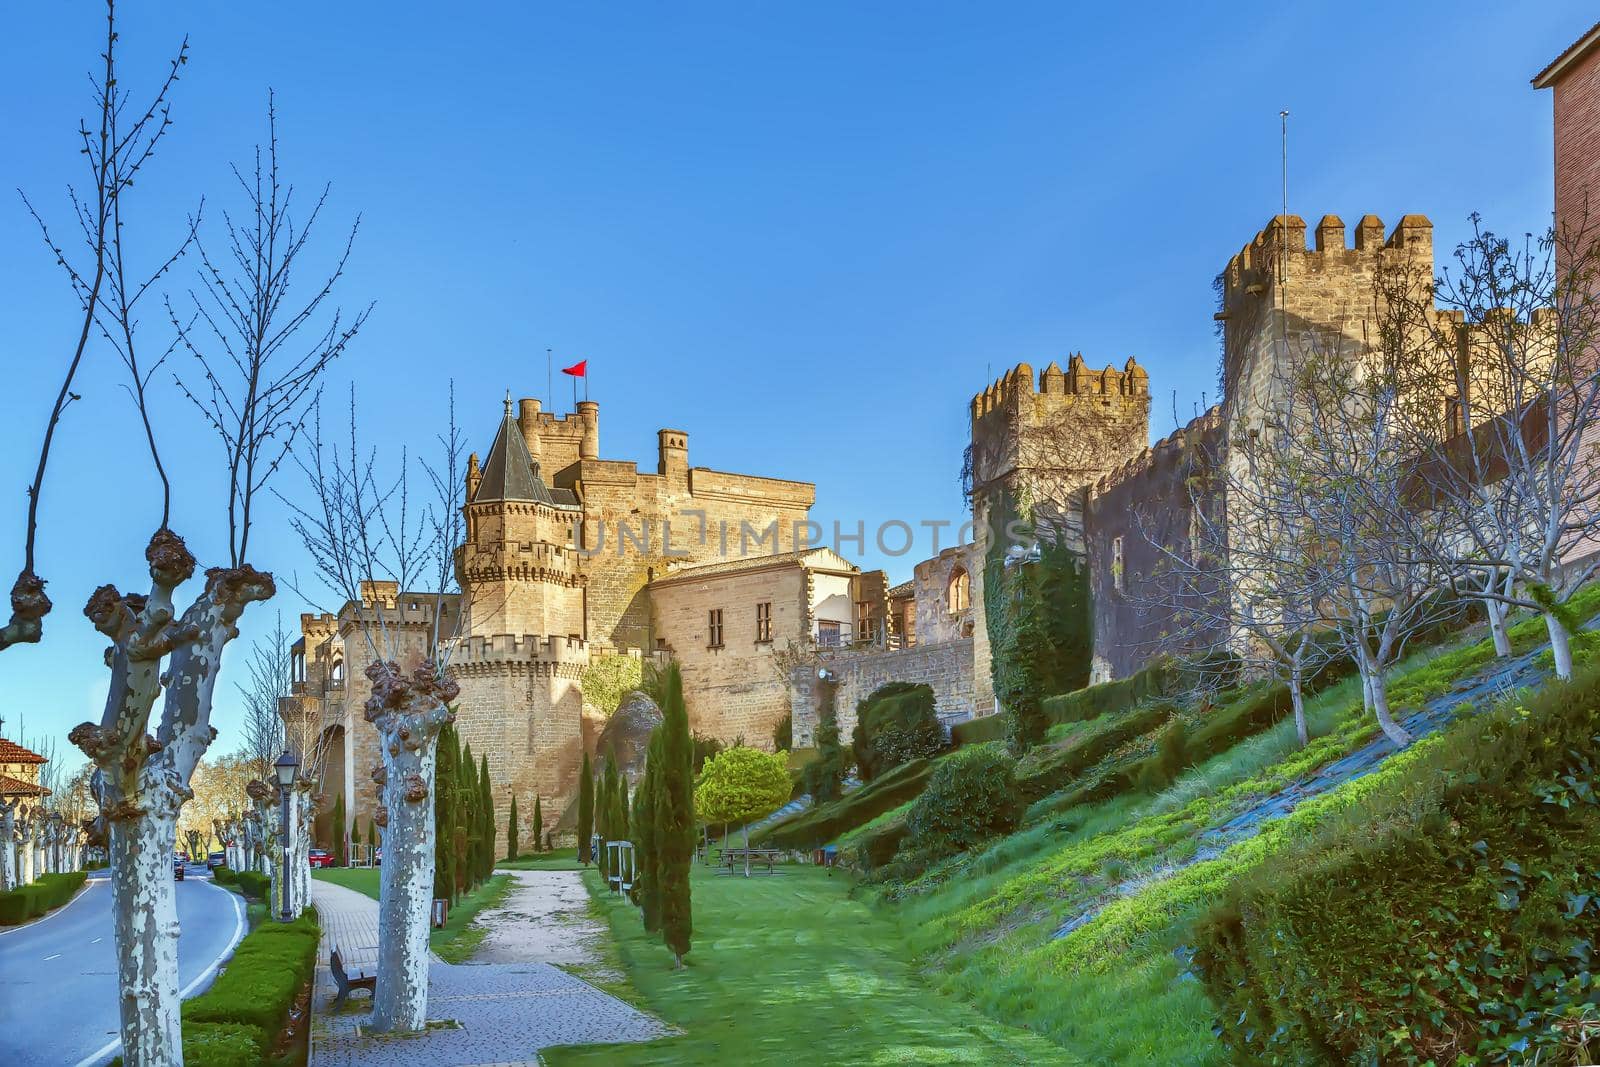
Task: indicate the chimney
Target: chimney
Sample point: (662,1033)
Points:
(673,446)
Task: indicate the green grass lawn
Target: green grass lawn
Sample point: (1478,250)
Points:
(790,969)
(459,938)
(562,859)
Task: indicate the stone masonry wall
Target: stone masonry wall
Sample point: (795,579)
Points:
(946,668)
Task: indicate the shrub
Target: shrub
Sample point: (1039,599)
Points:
(223,1044)
(1448,915)
(894,725)
(224,876)
(1167,762)
(783,733)
(1052,768)
(824,776)
(970,797)
(255,884)
(823,823)
(260,984)
(1157,680)
(608,679)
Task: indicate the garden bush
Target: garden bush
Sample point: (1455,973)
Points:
(1051,768)
(223,1044)
(255,884)
(1157,680)
(260,984)
(1446,916)
(970,797)
(37,897)
(224,876)
(824,823)
(894,725)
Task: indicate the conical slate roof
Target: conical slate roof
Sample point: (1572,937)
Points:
(508,472)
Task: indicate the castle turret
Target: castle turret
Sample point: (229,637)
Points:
(528,423)
(589,416)
(672,447)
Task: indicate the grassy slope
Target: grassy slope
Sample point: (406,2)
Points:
(790,969)
(1117,988)
(459,938)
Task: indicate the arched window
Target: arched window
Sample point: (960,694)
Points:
(337,673)
(959,593)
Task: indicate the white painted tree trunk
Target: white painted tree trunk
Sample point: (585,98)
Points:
(300,851)
(28,872)
(8,850)
(408,712)
(1560,645)
(145,922)
(1497,627)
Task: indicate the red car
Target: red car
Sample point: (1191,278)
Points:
(320,858)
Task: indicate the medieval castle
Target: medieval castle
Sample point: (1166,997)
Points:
(569,558)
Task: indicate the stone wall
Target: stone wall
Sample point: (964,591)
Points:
(945,668)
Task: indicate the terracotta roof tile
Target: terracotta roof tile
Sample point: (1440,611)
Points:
(16,787)
(11,752)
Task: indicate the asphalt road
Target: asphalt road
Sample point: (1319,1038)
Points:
(58,979)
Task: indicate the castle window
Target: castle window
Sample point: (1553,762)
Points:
(336,676)
(764,622)
(1117,581)
(714,629)
(1455,420)
(828,633)
(863,620)
(959,592)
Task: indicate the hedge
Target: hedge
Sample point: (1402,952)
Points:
(895,725)
(827,822)
(1447,916)
(1054,767)
(1156,680)
(225,876)
(251,998)
(255,884)
(47,892)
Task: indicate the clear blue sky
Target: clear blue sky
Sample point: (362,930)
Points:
(804,233)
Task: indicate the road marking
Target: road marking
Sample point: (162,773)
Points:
(57,956)
(103,1053)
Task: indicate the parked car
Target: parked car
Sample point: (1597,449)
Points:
(216,859)
(179,865)
(318,857)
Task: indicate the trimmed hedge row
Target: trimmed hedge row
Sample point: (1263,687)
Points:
(826,822)
(238,1019)
(1449,915)
(1048,769)
(1156,680)
(255,885)
(30,901)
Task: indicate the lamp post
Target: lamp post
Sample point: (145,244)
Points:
(285,769)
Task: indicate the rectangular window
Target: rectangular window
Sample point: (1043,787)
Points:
(714,629)
(764,622)
(1117,582)
(828,633)
(863,620)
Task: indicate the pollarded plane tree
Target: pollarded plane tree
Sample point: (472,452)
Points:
(1500,353)
(360,528)
(260,369)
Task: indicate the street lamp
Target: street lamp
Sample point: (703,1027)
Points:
(286,769)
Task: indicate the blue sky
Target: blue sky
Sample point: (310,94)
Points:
(804,233)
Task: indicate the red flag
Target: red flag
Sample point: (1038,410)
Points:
(579,369)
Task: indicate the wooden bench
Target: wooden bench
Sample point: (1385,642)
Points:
(369,982)
(734,857)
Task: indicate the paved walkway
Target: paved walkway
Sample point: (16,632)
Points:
(545,918)
(479,1014)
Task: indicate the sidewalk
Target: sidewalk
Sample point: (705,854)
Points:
(493,1013)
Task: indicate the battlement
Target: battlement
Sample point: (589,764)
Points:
(1078,380)
(319,624)
(556,441)
(520,648)
(1170,449)
(1280,249)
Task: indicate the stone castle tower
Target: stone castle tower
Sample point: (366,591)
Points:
(1034,445)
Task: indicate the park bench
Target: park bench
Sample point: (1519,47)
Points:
(369,982)
(732,858)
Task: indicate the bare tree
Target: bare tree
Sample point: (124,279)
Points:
(360,529)
(271,682)
(255,397)
(1505,403)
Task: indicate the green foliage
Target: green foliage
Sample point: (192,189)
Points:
(538,824)
(606,815)
(1164,765)
(675,820)
(824,776)
(255,885)
(268,970)
(585,810)
(224,1044)
(468,836)
(341,857)
(646,812)
(45,893)
(1020,669)
(706,746)
(608,679)
(741,784)
(511,828)
(486,820)
(823,823)
(224,876)
(1058,766)
(1448,916)
(1063,578)
(970,797)
(895,724)
(783,733)
(446,764)
(1159,679)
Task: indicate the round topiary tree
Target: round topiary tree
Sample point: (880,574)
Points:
(740,784)
(971,797)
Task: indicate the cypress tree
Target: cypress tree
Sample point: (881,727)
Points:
(489,831)
(444,877)
(606,816)
(538,824)
(511,830)
(340,856)
(622,807)
(469,821)
(1019,675)
(585,810)
(675,826)
(647,888)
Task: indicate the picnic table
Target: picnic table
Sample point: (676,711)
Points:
(734,857)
